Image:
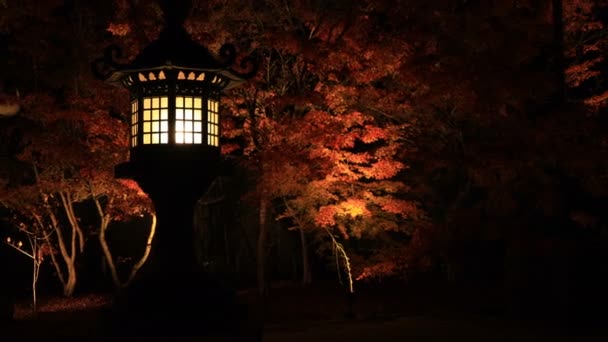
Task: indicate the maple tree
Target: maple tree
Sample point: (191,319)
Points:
(302,112)
(36,249)
(53,189)
(72,138)
(72,157)
(122,200)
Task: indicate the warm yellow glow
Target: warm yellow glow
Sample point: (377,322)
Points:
(142,78)
(188,119)
(155,123)
(191,76)
(212,122)
(201,77)
(212,141)
(161,75)
(181,76)
(354,208)
(134,122)
(151,76)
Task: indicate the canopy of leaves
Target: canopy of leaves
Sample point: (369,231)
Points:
(367,119)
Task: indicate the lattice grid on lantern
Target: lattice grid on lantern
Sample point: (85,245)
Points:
(188,120)
(213,119)
(155,120)
(134,121)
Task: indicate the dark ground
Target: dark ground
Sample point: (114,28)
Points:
(392,313)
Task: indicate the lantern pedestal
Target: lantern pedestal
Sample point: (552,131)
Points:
(172,294)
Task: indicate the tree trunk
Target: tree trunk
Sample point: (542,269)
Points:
(261,246)
(68,205)
(558,40)
(36,260)
(306,275)
(70,284)
(107,253)
(68,256)
(144,257)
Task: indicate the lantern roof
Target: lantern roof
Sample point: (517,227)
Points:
(174,49)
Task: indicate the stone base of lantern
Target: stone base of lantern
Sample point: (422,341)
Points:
(179,305)
(173,296)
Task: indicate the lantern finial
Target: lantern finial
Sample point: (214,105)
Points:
(175,12)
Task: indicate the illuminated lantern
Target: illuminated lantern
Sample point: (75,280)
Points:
(175,87)
(174,122)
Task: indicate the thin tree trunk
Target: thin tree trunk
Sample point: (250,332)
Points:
(69,257)
(70,286)
(558,38)
(103,227)
(47,239)
(35,270)
(144,257)
(261,246)
(107,253)
(68,205)
(306,275)
(34,281)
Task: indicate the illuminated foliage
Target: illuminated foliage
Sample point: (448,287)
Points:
(585,50)
(316,146)
(362,113)
(72,152)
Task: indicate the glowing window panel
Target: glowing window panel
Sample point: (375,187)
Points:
(213,123)
(188,120)
(156,120)
(134,122)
